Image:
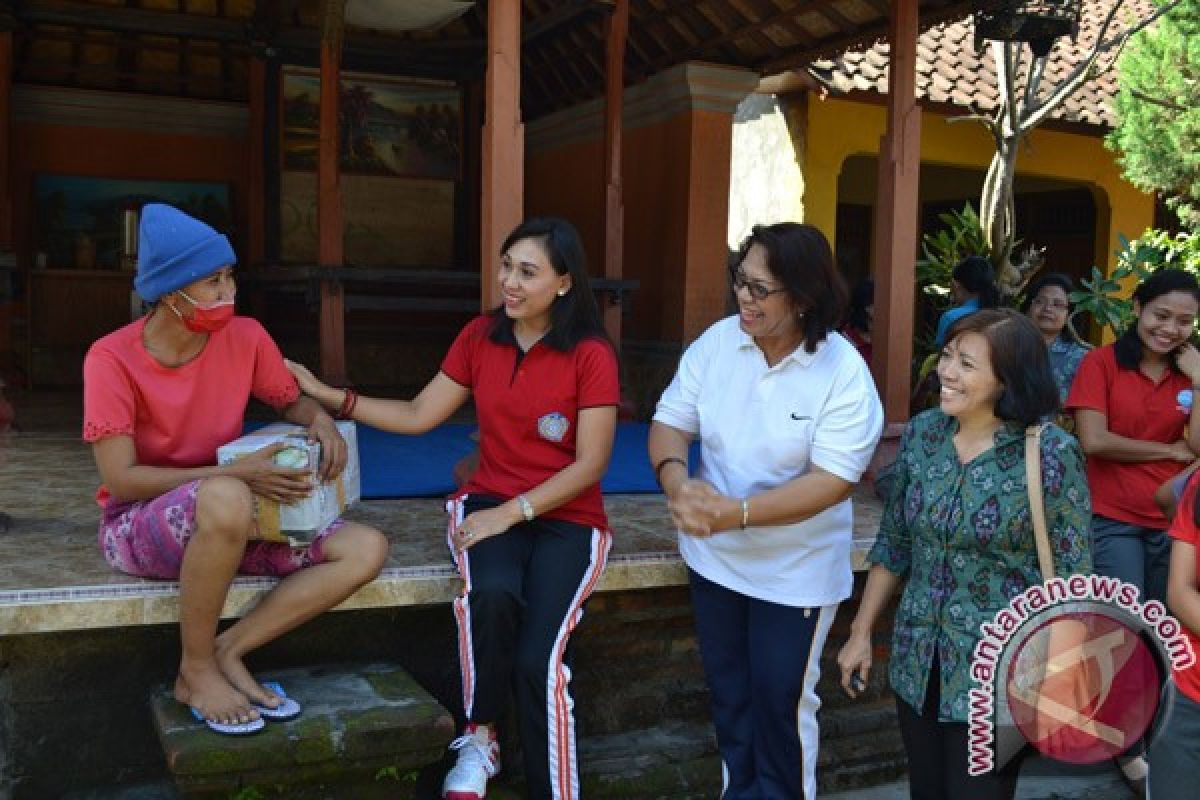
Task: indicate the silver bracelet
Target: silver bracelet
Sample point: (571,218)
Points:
(526,507)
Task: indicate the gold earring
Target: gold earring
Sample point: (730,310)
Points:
(562,292)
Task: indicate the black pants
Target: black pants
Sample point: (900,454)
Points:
(525,591)
(762,661)
(937,755)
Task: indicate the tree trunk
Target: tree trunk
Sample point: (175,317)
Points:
(996,212)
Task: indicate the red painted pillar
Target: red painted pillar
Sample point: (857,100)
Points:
(616,30)
(503,158)
(896,219)
(330,226)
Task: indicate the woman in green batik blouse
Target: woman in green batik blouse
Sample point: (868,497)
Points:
(956,524)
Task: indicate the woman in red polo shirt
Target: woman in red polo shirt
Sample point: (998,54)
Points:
(1175,753)
(529,533)
(1132,402)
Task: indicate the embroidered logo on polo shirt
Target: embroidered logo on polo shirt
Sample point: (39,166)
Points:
(553,426)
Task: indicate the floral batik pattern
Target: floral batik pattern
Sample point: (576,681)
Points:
(963,536)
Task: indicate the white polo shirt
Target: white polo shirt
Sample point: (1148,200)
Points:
(761,427)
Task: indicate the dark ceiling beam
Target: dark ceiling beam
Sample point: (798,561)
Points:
(366,45)
(564,12)
(716,41)
(131,20)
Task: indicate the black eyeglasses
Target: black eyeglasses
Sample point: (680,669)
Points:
(757,290)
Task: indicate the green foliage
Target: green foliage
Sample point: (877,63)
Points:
(1107,299)
(941,251)
(1157,135)
(393,773)
(248,793)
(962,236)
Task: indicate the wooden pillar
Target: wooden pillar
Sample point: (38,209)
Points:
(503,167)
(330,226)
(6,189)
(896,219)
(256,157)
(616,30)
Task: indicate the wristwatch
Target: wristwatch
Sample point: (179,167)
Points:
(526,507)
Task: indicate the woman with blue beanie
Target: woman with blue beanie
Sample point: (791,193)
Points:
(160,395)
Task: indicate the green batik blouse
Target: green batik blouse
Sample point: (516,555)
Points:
(963,536)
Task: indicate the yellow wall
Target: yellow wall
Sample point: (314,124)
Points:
(839,128)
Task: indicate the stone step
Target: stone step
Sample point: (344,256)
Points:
(370,724)
(860,746)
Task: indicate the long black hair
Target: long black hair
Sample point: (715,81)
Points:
(978,277)
(1128,347)
(573,316)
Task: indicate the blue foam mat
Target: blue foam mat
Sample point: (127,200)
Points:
(423,466)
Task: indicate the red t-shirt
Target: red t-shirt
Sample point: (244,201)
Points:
(528,408)
(179,416)
(1136,408)
(1183,528)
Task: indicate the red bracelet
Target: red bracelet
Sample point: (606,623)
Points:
(349,401)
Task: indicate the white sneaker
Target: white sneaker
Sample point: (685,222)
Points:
(478,760)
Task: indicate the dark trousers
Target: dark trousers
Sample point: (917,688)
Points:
(525,591)
(1175,753)
(762,661)
(937,756)
(1136,555)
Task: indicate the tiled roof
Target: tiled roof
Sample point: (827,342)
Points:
(950,71)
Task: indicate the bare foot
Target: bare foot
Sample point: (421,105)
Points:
(240,678)
(204,688)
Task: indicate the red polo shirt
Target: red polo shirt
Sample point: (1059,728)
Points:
(1136,408)
(528,408)
(1183,528)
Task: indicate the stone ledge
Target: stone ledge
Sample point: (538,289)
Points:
(356,721)
(156,603)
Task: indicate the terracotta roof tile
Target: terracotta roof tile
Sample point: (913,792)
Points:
(950,71)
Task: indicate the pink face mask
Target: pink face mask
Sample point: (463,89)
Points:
(206,319)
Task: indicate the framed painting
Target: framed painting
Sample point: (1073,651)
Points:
(68,208)
(393,128)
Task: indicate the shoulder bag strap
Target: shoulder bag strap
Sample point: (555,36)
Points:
(1037,507)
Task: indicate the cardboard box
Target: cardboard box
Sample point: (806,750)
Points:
(298,523)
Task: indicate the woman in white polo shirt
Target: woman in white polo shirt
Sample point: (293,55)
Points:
(788,419)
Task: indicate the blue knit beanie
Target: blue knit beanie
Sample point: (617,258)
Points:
(175,250)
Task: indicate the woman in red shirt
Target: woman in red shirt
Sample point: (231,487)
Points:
(160,396)
(528,533)
(1138,426)
(1175,753)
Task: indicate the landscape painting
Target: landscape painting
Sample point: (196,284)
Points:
(387,128)
(69,207)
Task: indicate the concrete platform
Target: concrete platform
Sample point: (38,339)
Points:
(53,577)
